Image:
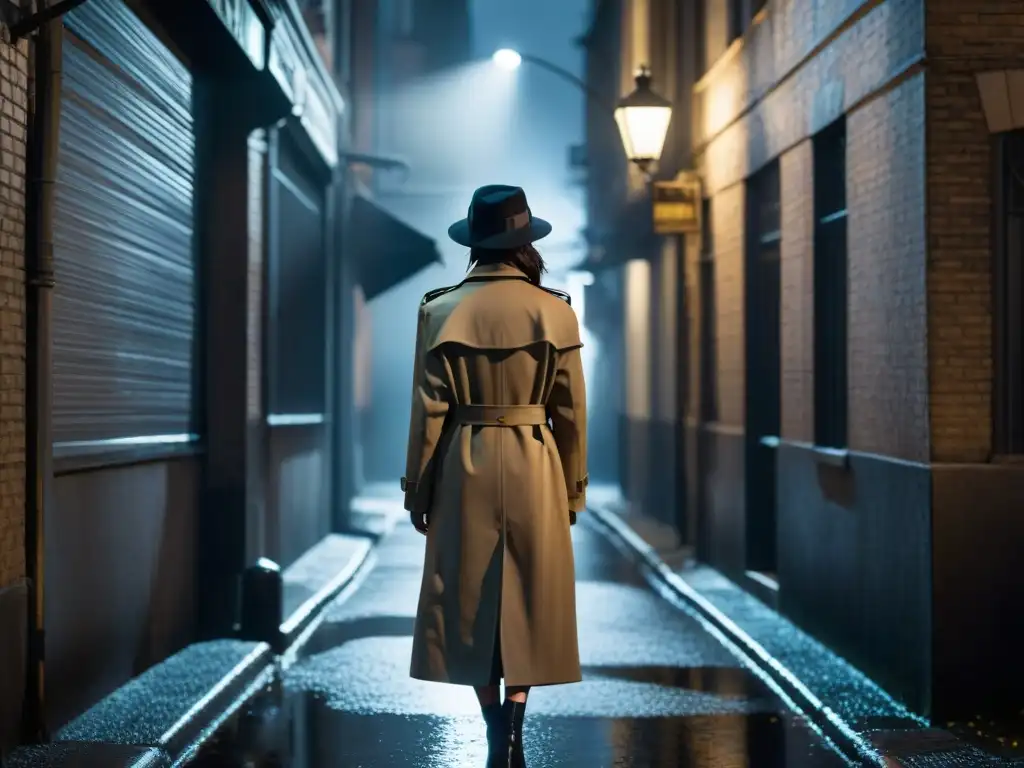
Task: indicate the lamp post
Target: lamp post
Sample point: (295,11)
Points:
(642,116)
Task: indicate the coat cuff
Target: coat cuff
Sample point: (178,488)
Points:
(578,495)
(414,501)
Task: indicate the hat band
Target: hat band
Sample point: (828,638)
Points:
(517,221)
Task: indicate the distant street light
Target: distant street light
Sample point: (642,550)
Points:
(643,116)
(507,59)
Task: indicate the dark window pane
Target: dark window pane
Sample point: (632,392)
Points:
(1009,281)
(707,237)
(708,387)
(737,22)
(298,291)
(830,278)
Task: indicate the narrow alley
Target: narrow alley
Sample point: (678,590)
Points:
(658,689)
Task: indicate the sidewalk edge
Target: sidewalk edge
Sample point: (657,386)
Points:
(295,625)
(851,743)
(340,588)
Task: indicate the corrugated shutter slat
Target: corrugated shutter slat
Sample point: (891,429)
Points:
(124,304)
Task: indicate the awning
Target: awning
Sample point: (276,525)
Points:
(387,251)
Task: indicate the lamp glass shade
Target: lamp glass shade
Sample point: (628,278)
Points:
(643,130)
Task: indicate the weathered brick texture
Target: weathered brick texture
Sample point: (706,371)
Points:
(727,216)
(883,40)
(13,126)
(887,331)
(796,170)
(802,66)
(963,39)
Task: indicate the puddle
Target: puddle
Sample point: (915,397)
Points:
(657,691)
(303,732)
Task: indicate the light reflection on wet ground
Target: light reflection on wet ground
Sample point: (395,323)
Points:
(657,690)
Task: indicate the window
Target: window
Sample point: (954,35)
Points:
(700,38)
(741,14)
(763,353)
(1008,410)
(762,278)
(830,299)
(737,18)
(707,360)
(297,279)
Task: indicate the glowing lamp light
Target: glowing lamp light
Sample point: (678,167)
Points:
(643,118)
(507,59)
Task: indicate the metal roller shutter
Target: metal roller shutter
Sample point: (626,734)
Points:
(124,304)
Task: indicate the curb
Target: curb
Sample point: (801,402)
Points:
(311,614)
(297,627)
(662,578)
(95,738)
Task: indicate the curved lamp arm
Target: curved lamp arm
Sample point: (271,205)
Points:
(569,77)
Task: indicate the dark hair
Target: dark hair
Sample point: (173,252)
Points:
(525,258)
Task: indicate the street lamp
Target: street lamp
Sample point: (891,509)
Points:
(507,59)
(642,117)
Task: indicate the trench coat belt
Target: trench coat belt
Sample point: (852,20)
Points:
(501,415)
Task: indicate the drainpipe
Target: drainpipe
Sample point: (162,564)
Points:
(44,140)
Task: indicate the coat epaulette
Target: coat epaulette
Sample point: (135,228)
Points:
(431,295)
(560,294)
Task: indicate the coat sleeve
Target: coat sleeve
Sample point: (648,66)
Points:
(567,407)
(426,421)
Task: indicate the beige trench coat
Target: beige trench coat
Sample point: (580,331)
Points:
(498,495)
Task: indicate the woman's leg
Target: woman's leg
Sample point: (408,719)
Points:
(489,697)
(517,693)
(514,710)
(488,694)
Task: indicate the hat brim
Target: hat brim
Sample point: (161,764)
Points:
(513,238)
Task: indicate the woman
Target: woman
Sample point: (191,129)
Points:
(496,471)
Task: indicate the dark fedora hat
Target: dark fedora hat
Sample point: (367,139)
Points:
(499,218)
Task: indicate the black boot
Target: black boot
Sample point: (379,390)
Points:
(514,711)
(497,735)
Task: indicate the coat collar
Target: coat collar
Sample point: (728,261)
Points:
(495,272)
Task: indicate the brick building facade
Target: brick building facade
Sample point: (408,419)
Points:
(14,85)
(13,112)
(844,462)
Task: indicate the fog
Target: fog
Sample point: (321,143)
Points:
(460,129)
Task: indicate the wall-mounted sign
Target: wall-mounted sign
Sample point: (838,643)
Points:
(677,205)
(245,26)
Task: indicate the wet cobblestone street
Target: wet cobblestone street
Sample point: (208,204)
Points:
(658,689)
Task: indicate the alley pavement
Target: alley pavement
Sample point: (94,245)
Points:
(658,689)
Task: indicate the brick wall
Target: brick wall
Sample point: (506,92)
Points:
(962,39)
(727,216)
(881,41)
(888,366)
(796,170)
(804,64)
(14,90)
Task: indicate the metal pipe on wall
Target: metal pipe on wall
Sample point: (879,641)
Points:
(45,147)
